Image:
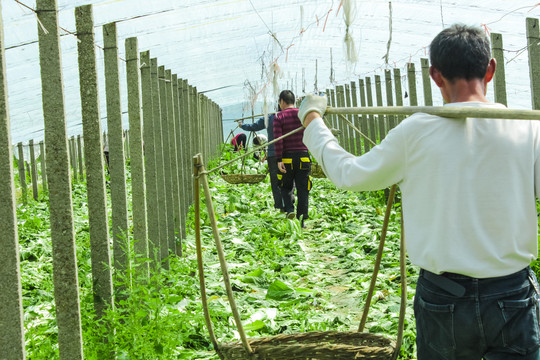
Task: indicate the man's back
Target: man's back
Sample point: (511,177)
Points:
(469,193)
(468,188)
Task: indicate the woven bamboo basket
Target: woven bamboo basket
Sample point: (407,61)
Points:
(316,345)
(243,178)
(317,171)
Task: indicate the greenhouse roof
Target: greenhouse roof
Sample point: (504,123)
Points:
(231,49)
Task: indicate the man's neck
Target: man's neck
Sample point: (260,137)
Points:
(462,90)
(290,106)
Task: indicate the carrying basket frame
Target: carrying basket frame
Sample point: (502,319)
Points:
(316,345)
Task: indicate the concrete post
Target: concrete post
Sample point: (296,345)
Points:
(33,166)
(11,316)
(173,165)
(411,76)
(399,93)
(350,131)
(381,118)
(166,156)
(140,239)
(93,153)
(43,163)
(80,157)
(74,163)
(499,79)
(389,97)
(187,147)
(372,125)
(66,284)
(150,160)
(533,46)
(340,100)
(117,165)
(22,173)
(356,120)
(182,188)
(426,81)
(160,164)
(364,127)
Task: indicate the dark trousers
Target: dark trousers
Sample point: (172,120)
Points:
(298,166)
(274,183)
(493,318)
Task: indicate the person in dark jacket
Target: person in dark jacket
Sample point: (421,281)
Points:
(293,158)
(270,158)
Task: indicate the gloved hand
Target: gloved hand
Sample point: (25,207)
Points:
(240,123)
(311,103)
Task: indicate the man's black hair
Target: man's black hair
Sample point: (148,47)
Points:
(287,96)
(460,52)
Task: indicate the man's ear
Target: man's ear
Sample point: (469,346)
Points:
(436,76)
(490,70)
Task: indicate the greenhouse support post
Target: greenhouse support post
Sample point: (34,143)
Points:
(138,196)
(381,121)
(426,82)
(174,190)
(93,154)
(364,127)
(183,189)
(66,285)
(150,160)
(499,79)
(70,150)
(166,157)
(350,134)
(117,165)
(328,100)
(187,139)
(11,317)
(80,157)
(22,173)
(372,124)
(389,97)
(33,167)
(183,123)
(160,169)
(411,77)
(196,129)
(73,147)
(43,163)
(340,102)
(160,165)
(533,46)
(399,92)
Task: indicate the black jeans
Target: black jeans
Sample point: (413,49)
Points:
(493,318)
(274,183)
(298,166)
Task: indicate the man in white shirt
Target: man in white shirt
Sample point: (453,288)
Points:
(468,188)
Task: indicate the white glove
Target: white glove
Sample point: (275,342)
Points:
(311,103)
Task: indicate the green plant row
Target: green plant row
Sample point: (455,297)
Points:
(285,279)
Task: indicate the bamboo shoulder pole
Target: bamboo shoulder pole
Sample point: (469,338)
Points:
(442,111)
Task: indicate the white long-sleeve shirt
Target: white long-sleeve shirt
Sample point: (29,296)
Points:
(468,187)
